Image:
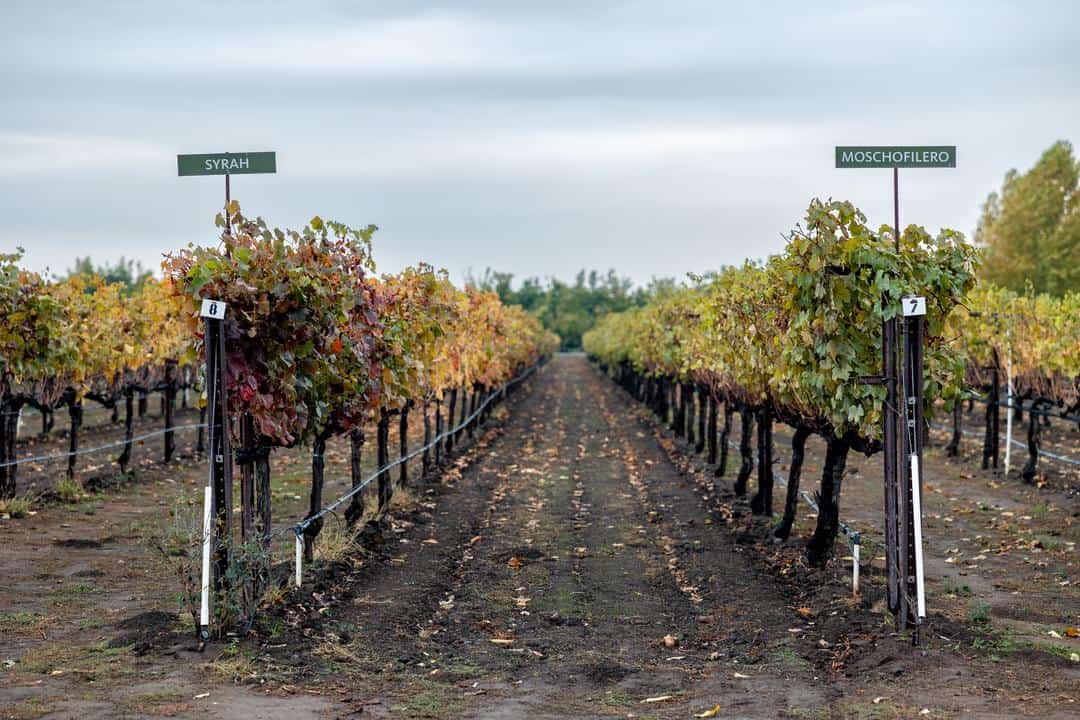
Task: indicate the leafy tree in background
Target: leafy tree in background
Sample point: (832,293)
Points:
(129,272)
(569,309)
(1030,232)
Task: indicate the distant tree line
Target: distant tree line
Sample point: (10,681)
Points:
(129,272)
(569,309)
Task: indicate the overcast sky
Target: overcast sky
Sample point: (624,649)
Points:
(653,137)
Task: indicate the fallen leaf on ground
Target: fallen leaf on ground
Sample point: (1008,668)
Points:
(658,698)
(709,713)
(515,562)
(805,612)
(671,641)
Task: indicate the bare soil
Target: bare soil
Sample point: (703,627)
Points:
(577,561)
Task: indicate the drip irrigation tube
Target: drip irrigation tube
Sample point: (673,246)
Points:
(1017,443)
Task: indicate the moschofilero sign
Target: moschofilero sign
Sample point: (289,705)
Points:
(901,156)
(227,163)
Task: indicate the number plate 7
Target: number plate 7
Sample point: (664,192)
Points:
(912,306)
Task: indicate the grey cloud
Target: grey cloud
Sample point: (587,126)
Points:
(654,137)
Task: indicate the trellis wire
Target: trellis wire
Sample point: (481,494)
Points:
(89,451)
(298,528)
(969,395)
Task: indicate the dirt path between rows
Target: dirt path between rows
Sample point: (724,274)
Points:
(578,562)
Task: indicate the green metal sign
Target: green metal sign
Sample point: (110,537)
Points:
(896,156)
(227,163)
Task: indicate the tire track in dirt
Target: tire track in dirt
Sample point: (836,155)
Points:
(554,596)
(946,671)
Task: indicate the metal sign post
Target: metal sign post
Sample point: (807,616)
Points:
(217,513)
(902,423)
(914,311)
(218,491)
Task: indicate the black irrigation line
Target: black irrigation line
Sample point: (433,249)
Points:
(108,446)
(298,528)
(1017,443)
(1064,415)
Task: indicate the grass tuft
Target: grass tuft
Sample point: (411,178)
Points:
(16,507)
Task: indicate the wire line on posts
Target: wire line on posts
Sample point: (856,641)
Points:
(88,451)
(298,528)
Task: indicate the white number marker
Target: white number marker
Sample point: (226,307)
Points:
(213,309)
(914,305)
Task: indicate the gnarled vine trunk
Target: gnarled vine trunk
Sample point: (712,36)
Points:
(725,439)
(382,452)
(791,502)
(702,413)
(746,450)
(1031,467)
(762,502)
(425,462)
(75,415)
(711,430)
(355,511)
(129,429)
(953,448)
(403,444)
(449,445)
(438,431)
(9,428)
(828,521)
(318,466)
(168,398)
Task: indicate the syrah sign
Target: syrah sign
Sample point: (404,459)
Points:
(896,156)
(227,163)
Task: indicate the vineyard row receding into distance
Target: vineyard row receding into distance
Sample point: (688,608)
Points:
(798,340)
(315,345)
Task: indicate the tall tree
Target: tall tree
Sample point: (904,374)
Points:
(1030,232)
